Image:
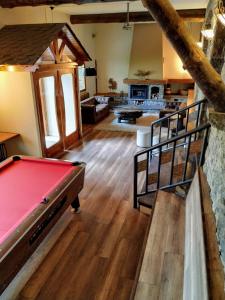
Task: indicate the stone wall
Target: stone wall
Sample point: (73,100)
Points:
(214,169)
(214,166)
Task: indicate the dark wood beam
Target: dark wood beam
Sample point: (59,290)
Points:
(194,60)
(196,15)
(15,3)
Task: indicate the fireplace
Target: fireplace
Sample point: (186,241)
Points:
(156,91)
(138,91)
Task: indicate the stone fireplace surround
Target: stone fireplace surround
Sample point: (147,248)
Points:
(146,91)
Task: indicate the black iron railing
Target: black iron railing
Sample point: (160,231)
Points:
(176,153)
(180,120)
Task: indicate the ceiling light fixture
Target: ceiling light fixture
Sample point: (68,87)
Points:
(127,25)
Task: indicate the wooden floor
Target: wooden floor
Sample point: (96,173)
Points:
(97,255)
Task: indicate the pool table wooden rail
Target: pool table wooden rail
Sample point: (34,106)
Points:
(20,244)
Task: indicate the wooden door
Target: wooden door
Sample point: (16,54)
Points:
(58,110)
(70,108)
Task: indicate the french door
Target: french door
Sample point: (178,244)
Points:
(58,111)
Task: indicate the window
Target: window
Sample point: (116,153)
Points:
(81,75)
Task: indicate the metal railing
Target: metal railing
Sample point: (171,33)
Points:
(165,152)
(178,117)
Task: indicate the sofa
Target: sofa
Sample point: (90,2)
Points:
(94,109)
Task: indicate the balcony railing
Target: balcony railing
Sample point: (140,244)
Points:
(180,120)
(176,153)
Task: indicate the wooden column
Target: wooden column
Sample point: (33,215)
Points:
(195,61)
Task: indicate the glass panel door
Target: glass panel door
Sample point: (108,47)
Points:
(69,104)
(58,111)
(49,114)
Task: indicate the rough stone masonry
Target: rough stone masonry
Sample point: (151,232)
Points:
(214,169)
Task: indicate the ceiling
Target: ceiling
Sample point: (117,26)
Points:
(115,7)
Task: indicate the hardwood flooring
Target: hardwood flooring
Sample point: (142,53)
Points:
(161,275)
(97,255)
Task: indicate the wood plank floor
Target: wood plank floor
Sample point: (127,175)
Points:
(96,257)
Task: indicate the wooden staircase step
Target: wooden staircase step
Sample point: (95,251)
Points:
(147,200)
(177,172)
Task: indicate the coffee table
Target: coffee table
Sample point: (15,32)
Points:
(128,116)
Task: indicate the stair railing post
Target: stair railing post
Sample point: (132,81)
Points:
(172,162)
(147,167)
(152,133)
(135,204)
(159,166)
(204,146)
(186,158)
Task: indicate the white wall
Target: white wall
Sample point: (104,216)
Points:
(113,46)
(172,64)
(18,112)
(85,34)
(146,54)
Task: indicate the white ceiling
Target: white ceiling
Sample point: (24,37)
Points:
(114,7)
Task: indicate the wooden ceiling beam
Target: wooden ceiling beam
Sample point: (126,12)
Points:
(195,15)
(16,3)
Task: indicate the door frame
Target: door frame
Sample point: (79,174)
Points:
(65,142)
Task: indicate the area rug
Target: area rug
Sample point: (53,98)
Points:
(111,124)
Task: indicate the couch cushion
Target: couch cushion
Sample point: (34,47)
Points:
(89,101)
(100,107)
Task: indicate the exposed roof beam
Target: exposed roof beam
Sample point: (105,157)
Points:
(196,15)
(15,3)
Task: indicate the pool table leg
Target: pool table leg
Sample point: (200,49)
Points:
(76,205)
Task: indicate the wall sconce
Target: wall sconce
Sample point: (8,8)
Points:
(220,12)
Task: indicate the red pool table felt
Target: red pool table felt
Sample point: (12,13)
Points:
(23,186)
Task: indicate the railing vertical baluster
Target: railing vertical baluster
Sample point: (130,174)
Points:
(178,119)
(168,132)
(160,130)
(159,167)
(147,167)
(186,158)
(187,120)
(152,134)
(198,115)
(135,204)
(172,162)
(197,120)
(205,142)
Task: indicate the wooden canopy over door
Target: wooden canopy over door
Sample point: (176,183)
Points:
(52,52)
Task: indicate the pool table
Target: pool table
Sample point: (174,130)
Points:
(34,193)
